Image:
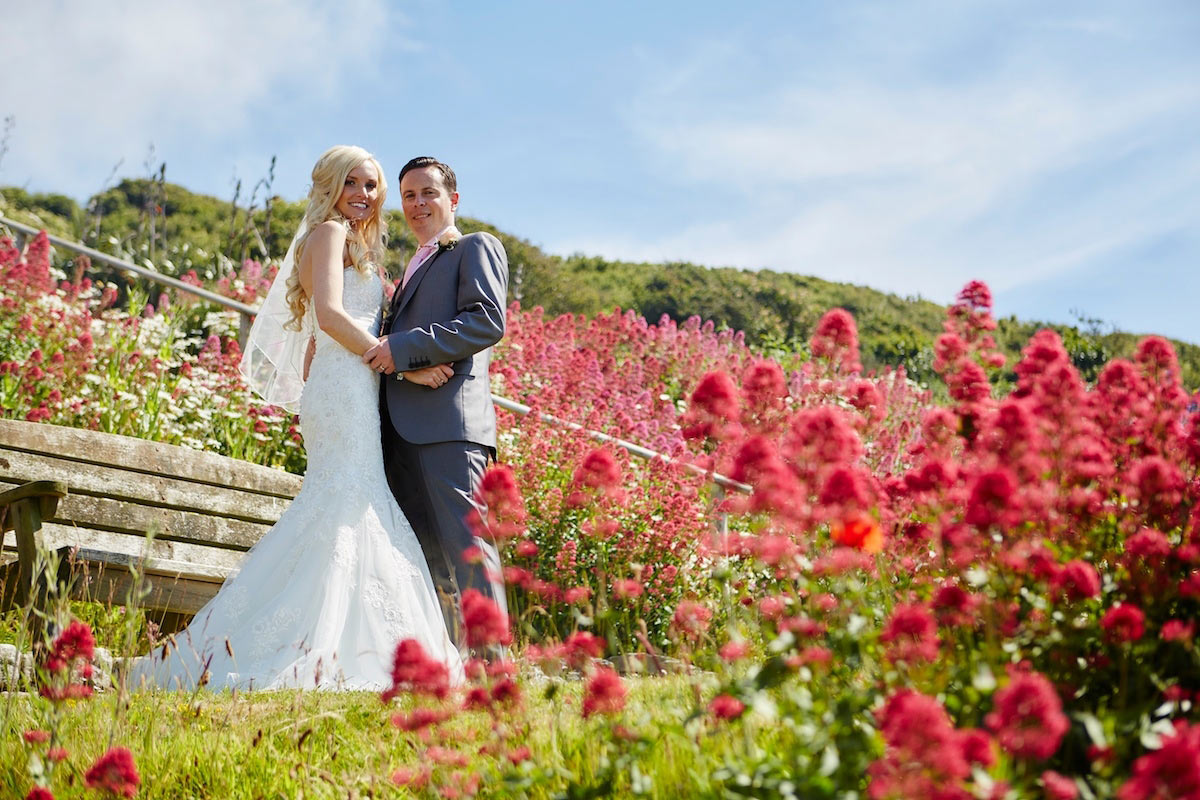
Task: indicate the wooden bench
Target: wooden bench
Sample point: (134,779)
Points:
(95,497)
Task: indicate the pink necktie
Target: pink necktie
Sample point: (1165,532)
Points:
(419,258)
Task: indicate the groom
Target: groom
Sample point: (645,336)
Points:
(449,310)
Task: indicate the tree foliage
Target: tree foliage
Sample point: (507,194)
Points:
(178,230)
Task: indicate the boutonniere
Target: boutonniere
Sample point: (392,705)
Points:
(449,238)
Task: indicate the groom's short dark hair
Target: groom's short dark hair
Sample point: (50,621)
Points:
(421,162)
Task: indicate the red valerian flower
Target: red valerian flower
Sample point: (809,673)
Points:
(992,500)
(845,487)
(412,777)
(1172,771)
(977,747)
(969,384)
(499,493)
(911,634)
(39,793)
(867,398)
(605,693)
(1176,630)
(1123,622)
(1027,717)
(954,605)
(1077,580)
(506,692)
(577,595)
(626,588)
(691,619)
(477,698)
(725,706)
(483,620)
(763,388)
(114,772)
(581,648)
(516,576)
(414,671)
(1158,486)
(75,642)
(734,650)
(1059,787)
(36,736)
(975,296)
(1157,358)
(598,472)
(924,756)
(1149,545)
(446,756)
(815,654)
(713,411)
(821,437)
(775,486)
(835,339)
(419,718)
(772,606)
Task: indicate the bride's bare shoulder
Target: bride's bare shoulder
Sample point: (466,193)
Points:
(328,232)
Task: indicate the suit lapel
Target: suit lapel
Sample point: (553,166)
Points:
(411,288)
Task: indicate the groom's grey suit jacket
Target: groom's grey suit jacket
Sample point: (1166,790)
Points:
(451,312)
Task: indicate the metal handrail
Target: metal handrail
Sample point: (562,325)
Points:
(248,313)
(635,449)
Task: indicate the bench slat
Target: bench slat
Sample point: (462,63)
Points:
(151,458)
(95,479)
(180,595)
(126,517)
(154,568)
(193,559)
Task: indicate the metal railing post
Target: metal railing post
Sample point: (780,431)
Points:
(244,322)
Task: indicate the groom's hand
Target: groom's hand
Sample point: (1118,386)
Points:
(379,357)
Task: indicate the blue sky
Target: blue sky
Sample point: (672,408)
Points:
(1051,149)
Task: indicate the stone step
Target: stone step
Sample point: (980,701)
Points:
(17,669)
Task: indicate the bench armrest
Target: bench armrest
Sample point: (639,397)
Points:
(49,492)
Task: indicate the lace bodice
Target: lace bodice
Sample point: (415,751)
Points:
(339,416)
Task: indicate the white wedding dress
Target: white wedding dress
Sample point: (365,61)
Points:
(322,599)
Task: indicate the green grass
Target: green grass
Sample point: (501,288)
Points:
(318,744)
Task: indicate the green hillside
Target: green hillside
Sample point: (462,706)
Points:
(178,230)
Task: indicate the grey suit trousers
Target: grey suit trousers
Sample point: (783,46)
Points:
(433,484)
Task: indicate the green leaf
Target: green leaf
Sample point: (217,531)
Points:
(772,673)
(1094,728)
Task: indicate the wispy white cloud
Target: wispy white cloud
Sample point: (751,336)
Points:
(90,83)
(915,180)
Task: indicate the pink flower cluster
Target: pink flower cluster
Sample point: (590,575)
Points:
(64,675)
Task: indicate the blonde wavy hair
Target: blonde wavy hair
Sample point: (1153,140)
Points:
(365,242)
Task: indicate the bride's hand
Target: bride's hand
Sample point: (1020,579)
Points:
(433,377)
(309,352)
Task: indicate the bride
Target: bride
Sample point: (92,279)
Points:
(322,599)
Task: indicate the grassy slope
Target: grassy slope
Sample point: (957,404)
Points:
(321,744)
(777,311)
